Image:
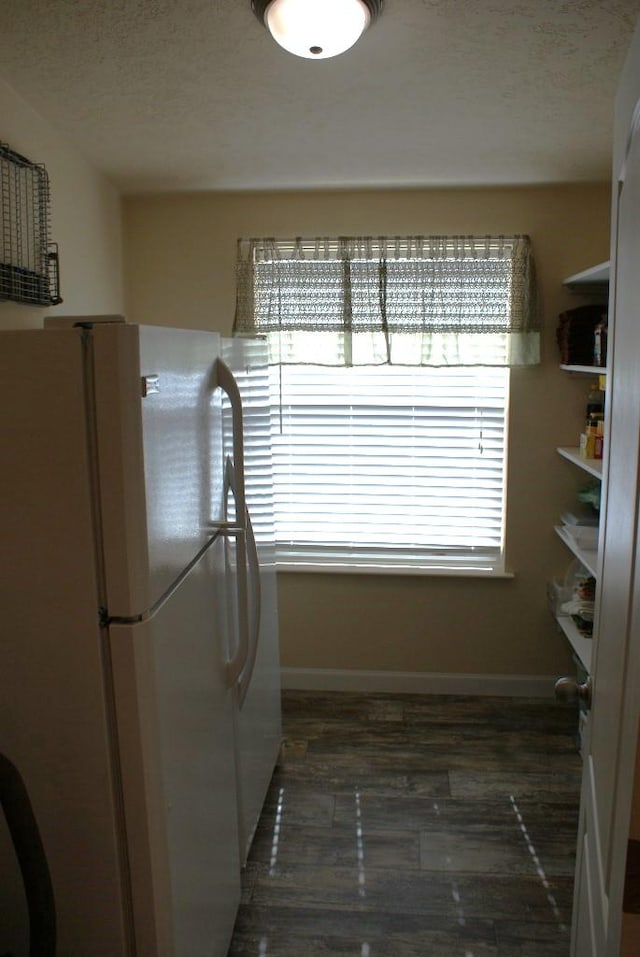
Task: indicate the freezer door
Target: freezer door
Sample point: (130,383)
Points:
(159,455)
(175,731)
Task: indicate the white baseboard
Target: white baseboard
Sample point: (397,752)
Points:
(421,682)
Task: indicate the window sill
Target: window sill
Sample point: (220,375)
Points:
(353,568)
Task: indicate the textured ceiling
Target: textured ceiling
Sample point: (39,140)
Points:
(194,94)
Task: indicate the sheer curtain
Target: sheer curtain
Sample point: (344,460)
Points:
(415,300)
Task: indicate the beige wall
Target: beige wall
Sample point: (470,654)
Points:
(85,219)
(180,252)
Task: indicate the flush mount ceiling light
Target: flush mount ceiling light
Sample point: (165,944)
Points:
(316,29)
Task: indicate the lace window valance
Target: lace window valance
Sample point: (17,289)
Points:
(434,300)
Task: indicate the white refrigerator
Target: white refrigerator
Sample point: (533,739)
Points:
(139,644)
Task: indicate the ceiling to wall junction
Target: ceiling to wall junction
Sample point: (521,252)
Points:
(193,94)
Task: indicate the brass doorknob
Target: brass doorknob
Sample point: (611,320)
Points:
(568,689)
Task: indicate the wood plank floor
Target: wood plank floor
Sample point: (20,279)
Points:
(415,826)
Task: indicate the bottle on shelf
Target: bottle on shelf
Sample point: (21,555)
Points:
(592,437)
(599,439)
(587,444)
(600,343)
(595,401)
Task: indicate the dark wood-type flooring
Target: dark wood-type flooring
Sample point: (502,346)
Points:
(415,826)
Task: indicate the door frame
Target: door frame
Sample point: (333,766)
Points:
(601,921)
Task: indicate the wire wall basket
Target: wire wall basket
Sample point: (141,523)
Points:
(29,270)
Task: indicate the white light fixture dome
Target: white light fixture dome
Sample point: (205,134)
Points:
(316,29)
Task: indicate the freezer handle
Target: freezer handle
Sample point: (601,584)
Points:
(254,609)
(224,379)
(235,665)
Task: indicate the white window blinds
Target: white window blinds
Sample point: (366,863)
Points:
(390,467)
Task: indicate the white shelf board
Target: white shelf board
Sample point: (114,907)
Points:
(588,556)
(589,370)
(592,466)
(594,276)
(581,645)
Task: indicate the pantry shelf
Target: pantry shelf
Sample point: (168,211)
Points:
(581,646)
(592,466)
(594,280)
(589,370)
(588,556)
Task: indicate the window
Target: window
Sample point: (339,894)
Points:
(389,383)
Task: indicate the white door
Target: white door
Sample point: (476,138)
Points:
(609,754)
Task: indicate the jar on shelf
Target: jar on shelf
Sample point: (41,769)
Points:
(600,343)
(595,402)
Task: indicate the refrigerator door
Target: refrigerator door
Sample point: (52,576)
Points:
(258,706)
(159,453)
(175,729)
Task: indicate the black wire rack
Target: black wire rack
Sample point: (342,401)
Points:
(29,265)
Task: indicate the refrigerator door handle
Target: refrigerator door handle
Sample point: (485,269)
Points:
(254,610)
(235,665)
(249,595)
(224,379)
